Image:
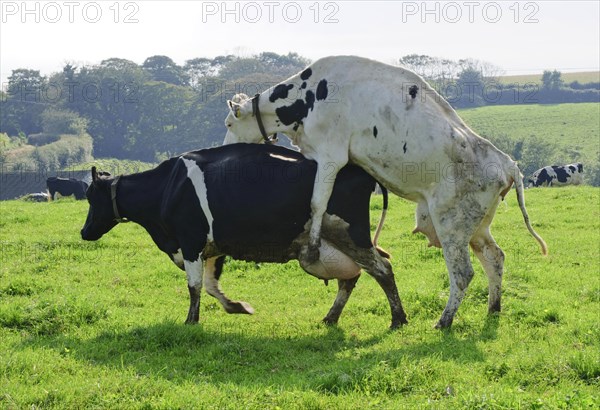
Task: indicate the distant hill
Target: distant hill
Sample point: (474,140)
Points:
(574,129)
(583,77)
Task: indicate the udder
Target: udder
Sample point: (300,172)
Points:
(333,264)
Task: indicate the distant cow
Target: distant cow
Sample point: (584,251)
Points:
(66,187)
(558,175)
(251,202)
(36,197)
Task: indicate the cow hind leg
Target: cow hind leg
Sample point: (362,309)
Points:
(460,272)
(454,230)
(492,259)
(214,268)
(345,288)
(381,269)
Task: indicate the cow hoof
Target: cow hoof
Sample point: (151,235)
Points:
(240,308)
(329,321)
(309,255)
(443,325)
(397,324)
(494,309)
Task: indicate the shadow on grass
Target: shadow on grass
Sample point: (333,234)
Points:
(282,355)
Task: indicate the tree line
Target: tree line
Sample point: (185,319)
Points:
(156,109)
(145,112)
(468,83)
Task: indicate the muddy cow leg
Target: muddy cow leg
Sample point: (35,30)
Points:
(492,259)
(345,287)
(454,229)
(381,269)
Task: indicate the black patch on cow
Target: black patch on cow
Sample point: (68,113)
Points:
(219,267)
(305,75)
(375,131)
(297,111)
(280,91)
(296,126)
(572,168)
(404,148)
(412,91)
(580,167)
(322,90)
(310,99)
(561,174)
(542,178)
(303,86)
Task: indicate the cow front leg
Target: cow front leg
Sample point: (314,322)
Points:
(328,169)
(345,288)
(193,271)
(213,270)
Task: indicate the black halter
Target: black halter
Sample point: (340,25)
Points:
(261,127)
(113,197)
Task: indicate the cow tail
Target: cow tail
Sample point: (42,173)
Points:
(521,199)
(381,251)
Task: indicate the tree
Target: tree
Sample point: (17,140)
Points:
(470,86)
(198,70)
(162,68)
(162,108)
(23,102)
(551,80)
(537,153)
(56,122)
(69,72)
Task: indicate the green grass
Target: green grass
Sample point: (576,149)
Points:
(100,324)
(574,128)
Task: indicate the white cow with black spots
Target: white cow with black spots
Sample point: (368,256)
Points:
(390,122)
(558,175)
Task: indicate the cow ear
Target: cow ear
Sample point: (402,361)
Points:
(235,108)
(94,174)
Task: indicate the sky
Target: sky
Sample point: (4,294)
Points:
(520,37)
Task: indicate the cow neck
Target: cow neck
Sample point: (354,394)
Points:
(137,197)
(113,198)
(261,126)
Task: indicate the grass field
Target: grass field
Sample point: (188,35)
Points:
(100,325)
(574,128)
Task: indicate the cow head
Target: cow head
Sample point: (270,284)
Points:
(240,123)
(100,218)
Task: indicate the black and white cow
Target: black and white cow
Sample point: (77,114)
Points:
(66,187)
(395,126)
(558,175)
(251,202)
